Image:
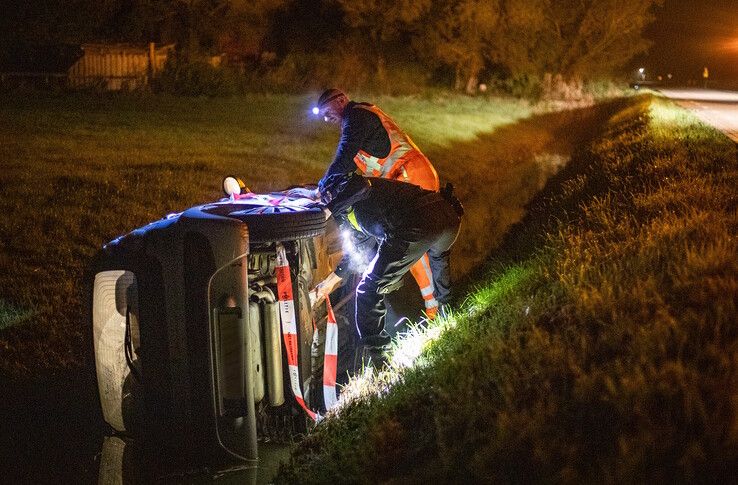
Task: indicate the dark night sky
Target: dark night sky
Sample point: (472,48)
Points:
(691,34)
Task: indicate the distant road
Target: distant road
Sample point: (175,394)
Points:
(717,108)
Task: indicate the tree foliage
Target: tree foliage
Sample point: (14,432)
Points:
(532,38)
(380,22)
(590,36)
(459,34)
(383,19)
(471,39)
(210,25)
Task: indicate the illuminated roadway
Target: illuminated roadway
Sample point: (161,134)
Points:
(716,108)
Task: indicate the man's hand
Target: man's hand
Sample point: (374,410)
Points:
(324,288)
(303,192)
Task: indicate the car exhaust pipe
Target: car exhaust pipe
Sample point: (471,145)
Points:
(272,345)
(257,363)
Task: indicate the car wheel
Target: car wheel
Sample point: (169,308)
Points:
(272,224)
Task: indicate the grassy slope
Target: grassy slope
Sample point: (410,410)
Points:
(604,346)
(77,171)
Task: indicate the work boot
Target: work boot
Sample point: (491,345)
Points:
(444,310)
(372,351)
(431,312)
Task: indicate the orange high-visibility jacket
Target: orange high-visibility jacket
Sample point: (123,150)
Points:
(403,152)
(407,163)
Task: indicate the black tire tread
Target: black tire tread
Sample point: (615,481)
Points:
(285,226)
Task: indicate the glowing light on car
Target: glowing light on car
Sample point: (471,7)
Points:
(358,259)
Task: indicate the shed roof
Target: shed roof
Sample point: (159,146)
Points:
(124,48)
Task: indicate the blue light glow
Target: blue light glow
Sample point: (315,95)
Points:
(358,259)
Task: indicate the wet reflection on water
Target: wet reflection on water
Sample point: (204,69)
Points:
(126,461)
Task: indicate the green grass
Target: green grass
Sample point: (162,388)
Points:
(79,170)
(603,346)
(11,315)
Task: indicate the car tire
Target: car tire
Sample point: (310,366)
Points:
(126,400)
(275,226)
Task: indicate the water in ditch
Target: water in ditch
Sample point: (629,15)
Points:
(121,461)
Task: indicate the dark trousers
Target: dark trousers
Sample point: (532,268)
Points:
(433,232)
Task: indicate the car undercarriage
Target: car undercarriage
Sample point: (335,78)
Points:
(189,345)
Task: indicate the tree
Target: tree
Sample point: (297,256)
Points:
(383,21)
(608,35)
(518,40)
(574,38)
(458,34)
(201,26)
(531,38)
(245,26)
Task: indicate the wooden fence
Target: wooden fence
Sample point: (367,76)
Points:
(117,66)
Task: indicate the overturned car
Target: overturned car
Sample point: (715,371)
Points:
(204,336)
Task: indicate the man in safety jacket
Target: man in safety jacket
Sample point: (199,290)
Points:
(406,221)
(373,143)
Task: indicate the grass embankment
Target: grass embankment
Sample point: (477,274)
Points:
(78,170)
(604,347)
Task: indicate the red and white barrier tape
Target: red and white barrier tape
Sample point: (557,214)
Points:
(289,332)
(330,357)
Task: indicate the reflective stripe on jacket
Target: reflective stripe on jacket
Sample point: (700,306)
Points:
(402,149)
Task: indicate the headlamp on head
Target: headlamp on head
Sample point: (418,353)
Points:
(328,96)
(330,103)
